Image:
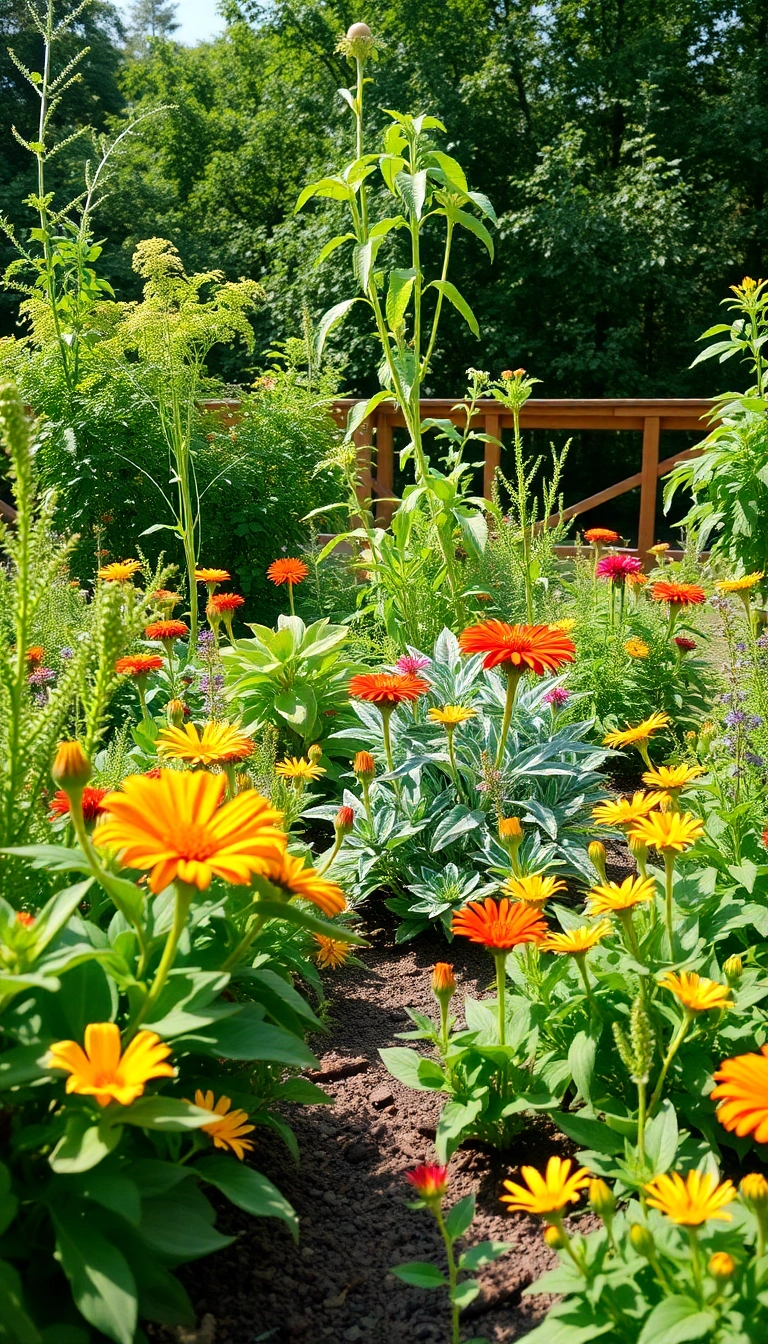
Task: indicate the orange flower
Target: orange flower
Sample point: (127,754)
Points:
(102,1072)
(331,952)
(166,630)
(287,571)
(536,648)
(501,926)
(387,688)
(120,571)
(742,1095)
(212,576)
(35,655)
(138,664)
(222,602)
(91,803)
(228,1130)
(165,598)
(601,536)
(678,594)
(296,879)
(364,766)
(443,979)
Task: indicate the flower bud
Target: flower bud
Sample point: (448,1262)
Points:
(344,821)
(754,1191)
(364,767)
(443,981)
(510,828)
(71,769)
(175,712)
(642,1241)
(733,968)
(596,852)
(555,1238)
(602,1199)
(315,753)
(639,851)
(721,1265)
(358,43)
(214,615)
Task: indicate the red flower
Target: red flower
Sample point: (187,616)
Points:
(345,819)
(679,594)
(24,917)
(387,688)
(684,644)
(138,664)
(618,568)
(166,630)
(287,571)
(601,536)
(502,926)
(222,602)
(91,803)
(537,648)
(429,1180)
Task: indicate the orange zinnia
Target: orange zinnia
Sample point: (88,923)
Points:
(387,688)
(222,602)
(138,664)
(166,630)
(678,594)
(601,536)
(287,571)
(501,926)
(742,1095)
(536,648)
(90,802)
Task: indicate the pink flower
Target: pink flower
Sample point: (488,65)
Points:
(558,697)
(413,663)
(618,568)
(429,1180)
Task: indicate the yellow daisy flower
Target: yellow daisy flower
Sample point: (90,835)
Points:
(625,811)
(450,716)
(668,831)
(577,941)
(331,952)
(228,1130)
(636,648)
(106,1073)
(695,992)
(639,735)
(218,744)
(296,879)
(533,889)
(740,585)
(546,1194)
(612,898)
(299,769)
(672,778)
(692,1200)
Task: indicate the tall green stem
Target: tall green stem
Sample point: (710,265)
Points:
(184,894)
(105,880)
(386,714)
(500,959)
(677,1041)
(669,882)
(642,1087)
(452,1275)
(513,677)
(245,942)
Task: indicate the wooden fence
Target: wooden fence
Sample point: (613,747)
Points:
(375,440)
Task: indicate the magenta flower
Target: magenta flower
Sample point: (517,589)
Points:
(618,568)
(557,697)
(413,663)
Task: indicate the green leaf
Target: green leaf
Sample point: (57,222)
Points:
(484,1253)
(328,322)
(112,1189)
(401,284)
(165,1113)
(581,1059)
(450,292)
(8,1201)
(456,1119)
(590,1134)
(247,1188)
(179,1225)
(102,1284)
(307,920)
(330,187)
(332,245)
(15,1325)
(84,1144)
(662,1138)
(298,707)
(459,1218)
(676,1320)
(420,1274)
(404,1064)
(247,1036)
(465,1293)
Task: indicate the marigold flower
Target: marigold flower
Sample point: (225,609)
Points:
(287,571)
(35,655)
(678,594)
(218,744)
(673,831)
(533,889)
(692,1200)
(166,630)
(102,1072)
(575,942)
(387,688)
(618,568)
(226,602)
(443,979)
(612,898)
(429,1180)
(741,585)
(177,827)
(742,1097)
(450,716)
(296,879)
(228,1131)
(90,803)
(696,992)
(532,648)
(364,766)
(671,778)
(550,1193)
(625,811)
(636,648)
(331,952)
(601,536)
(294,767)
(212,576)
(632,737)
(120,571)
(138,664)
(71,767)
(499,927)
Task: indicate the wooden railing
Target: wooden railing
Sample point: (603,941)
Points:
(375,440)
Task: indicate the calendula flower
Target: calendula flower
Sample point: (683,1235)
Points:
(499,927)
(742,1098)
(671,778)
(331,952)
(576,942)
(753,1187)
(625,811)
(631,737)
(721,1265)
(618,568)
(741,585)
(90,802)
(636,648)
(510,828)
(387,688)
(678,594)
(102,1072)
(533,889)
(212,576)
(547,1194)
(298,768)
(287,571)
(225,603)
(660,548)
(218,744)
(443,979)
(601,536)
(297,879)
(177,827)
(695,992)
(636,580)
(344,821)
(166,630)
(226,1132)
(526,648)
(450,716)
(71,767)
(612,897)
(120,571)
(692,1200)
(668,831)
(429,1180)
(138,664)
(364,766)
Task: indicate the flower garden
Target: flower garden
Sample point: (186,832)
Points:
(382,956)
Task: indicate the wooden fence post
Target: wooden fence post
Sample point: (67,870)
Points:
(492,452)
(648,486)
(385,470)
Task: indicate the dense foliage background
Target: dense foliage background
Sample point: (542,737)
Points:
(623,143)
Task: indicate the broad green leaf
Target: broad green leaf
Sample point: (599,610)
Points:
(16,1327)
(459,1219)
(399,291)
(581,1058)
(85,1143)
(102,1284)
(166,1113)
(404,1064)
(332,188)
(332,245)
(247,1188)
(247,1036)
(450,292)
(329,321)
(676,1320)
(465,1293)
(484,1253)
(179,1225)
(420,1274)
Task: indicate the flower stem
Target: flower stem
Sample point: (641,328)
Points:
(245,942)
(501,985)
(677,1041)
(184,894)
(669,871)
(290,598)
(452,1274)
(581,962)
(641,1116)
(513,679)
(329,861)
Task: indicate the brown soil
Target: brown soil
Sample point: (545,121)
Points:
(350,1190)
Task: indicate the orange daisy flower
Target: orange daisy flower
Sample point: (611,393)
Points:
(535,648)
(228,1130)
(287,571)
(35,655)
(502,926)
(101,1071)
(678,594)
(297,879)
(91,803)
(138,664)
(213,576)
(166,630)
(387,688)
(742,1095)
(601,536)
(222,602)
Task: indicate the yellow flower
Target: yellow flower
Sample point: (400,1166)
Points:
(721,1265)
(450,716)
(175,826)
(670,831)
(549,1193)
(102,1072)
(695,992)
(690,1201)
(741,585)
(120,571)
(577,941)
(228,1131)
(510,828)
(632,737)
(625,811)
(660,548)
(610,898)
(565,626)
(533,889)
(218,744)
(754,1189)
(294,768)
(673,778)
(296,879)
(636,648)
(331,951)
